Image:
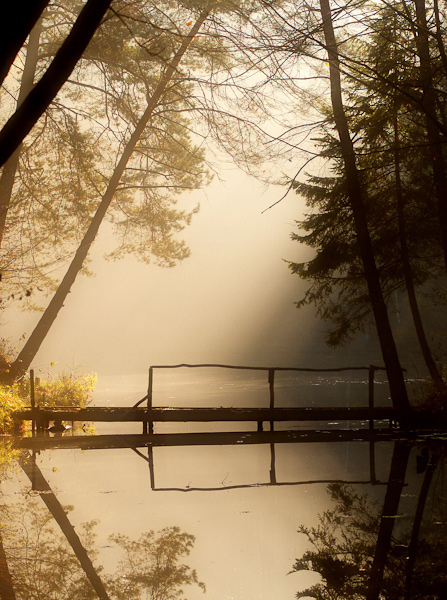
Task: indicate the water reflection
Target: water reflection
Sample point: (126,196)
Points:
(364,550)
(369,541)
(40,562)
(352,513)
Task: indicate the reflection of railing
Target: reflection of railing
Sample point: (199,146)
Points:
(148,427)
(243,438)
(310,414)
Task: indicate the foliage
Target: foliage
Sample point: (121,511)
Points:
(342,546)
(8,456)
(63,390)
(42,563)
(150,568)
(344,542)
(10,400)
(66,162)
(40,560)
(396,177)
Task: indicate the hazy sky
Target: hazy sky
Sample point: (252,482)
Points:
(231,301)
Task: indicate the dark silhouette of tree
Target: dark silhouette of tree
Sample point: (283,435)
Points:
(14,30)
(356,195)
(395,172)
(39,98)
(430,100)
(361,553)
(375,223)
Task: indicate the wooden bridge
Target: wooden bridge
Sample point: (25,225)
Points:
(148,415)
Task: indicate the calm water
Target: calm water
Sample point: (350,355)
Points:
(134,510)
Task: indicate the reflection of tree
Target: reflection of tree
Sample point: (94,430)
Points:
(151,566)
(41,565)
(41,562)
(344,548)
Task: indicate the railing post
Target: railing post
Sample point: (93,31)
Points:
(272,394)
(272,465)
(148,426)
(150,460)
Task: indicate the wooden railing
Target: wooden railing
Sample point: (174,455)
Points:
(371,369)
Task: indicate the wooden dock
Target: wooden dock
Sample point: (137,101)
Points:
(144,411)
(204,415)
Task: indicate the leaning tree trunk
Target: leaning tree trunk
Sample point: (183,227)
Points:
(31,347)
(10,168)
(40,484)
(37,101)
(355,194)
(15,28)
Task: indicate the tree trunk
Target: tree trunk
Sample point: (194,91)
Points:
(396,482)
(355,193)
(10,168)
(6,587)
(21,19)
(429,101)
(40,484)
(40,97)
(408,275)
(413,546)
(30,349)
(439,36)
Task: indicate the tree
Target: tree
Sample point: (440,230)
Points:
(52,190)
(356,195)
(32,345)
(348,541)
(150,568)
(40,562)
(39,98)
(343,545)
(390,158)
(430,100)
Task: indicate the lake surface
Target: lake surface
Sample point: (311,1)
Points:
(244,504)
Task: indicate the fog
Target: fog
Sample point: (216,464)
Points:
(231,301)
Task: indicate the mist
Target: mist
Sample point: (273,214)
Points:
(231,301)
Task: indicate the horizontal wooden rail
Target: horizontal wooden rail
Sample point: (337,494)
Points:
(248,368)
